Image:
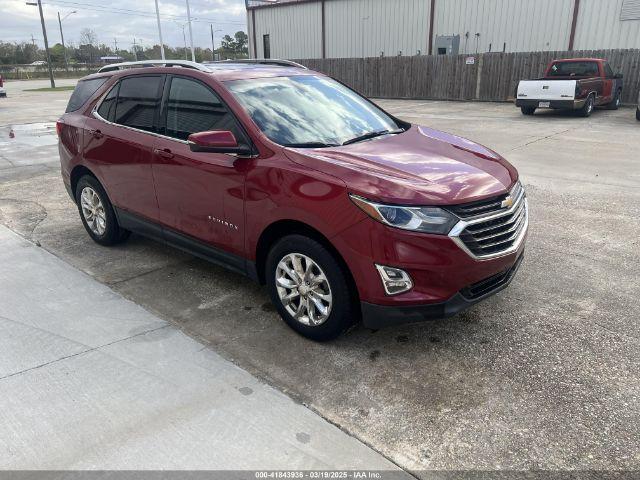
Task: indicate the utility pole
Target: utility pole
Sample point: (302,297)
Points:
(159,31)
(64,48)
(193,54)
(115,46)
(135,48)
(46,42)
(213,44)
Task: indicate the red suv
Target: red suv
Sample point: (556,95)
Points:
(288,176)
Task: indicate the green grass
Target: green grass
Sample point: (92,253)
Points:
(49,89)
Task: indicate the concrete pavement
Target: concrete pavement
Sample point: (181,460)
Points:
(89,380)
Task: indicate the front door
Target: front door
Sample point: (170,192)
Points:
(200,195)
(118,143)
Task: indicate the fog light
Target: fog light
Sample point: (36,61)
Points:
(394,280)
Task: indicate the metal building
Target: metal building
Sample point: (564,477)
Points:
(300,29)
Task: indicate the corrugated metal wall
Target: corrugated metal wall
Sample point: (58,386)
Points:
(294,30)
(523,25)
(599,26)
(356,28)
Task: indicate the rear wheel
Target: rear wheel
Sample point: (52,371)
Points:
(528,110)
(587,109)
(615,103)
(638,114)
(97,213)
(309,288)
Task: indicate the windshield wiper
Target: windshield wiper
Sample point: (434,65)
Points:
(310,145)
(369,135)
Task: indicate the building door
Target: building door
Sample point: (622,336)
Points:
(266,46)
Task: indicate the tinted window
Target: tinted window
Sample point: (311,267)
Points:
(193,108)
(138,101)
(305,110)
(574,69)
(607,70)
(107,108)
(84,89)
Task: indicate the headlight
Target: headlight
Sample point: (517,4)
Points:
(419,219)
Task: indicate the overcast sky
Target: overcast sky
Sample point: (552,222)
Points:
(123,20)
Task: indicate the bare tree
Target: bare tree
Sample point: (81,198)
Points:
(88,37)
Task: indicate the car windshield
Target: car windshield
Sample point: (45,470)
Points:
(574,69)
(310,111)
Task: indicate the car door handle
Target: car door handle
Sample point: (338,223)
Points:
(164,153)
(96,134)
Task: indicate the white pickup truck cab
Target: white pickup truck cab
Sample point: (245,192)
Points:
(573,84)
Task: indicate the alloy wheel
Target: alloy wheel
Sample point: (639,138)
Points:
(303,289)
(93,211)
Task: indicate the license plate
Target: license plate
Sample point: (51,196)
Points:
(544,104)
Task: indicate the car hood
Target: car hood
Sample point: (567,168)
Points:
(421,166)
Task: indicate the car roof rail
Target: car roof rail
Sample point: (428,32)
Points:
(155,63)
(260,61)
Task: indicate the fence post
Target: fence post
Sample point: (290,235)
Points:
(479,76)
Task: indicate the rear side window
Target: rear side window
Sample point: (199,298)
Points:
(138,101)
(107,109)
(193,108)
(83,91)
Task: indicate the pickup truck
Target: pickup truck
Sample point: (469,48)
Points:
(578,84)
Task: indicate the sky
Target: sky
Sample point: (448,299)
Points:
(123,20)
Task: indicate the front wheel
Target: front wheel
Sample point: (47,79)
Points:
(615,103)
(587,109)
(528,110)
(309,288)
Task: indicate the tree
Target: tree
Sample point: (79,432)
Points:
(88,39)
(242,40)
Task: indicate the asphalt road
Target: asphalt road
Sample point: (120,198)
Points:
(545,375)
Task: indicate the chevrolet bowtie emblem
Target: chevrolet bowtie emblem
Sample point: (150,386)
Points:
(507,202)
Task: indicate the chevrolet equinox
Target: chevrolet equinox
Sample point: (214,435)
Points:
(293,179)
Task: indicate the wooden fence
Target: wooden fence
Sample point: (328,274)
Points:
(484,77)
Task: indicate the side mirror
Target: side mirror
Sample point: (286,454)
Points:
(618,75)
(216,141)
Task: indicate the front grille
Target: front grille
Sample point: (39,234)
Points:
(483,207)
(498,228)
(492,283)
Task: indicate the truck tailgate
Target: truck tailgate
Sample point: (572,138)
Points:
(547,89)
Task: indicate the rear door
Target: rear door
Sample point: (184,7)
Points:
(200,194)
(119,139)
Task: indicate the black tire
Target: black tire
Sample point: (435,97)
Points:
(588,107)
(528,110)
(638,114)
(113,233)
(344,312)
(615,103)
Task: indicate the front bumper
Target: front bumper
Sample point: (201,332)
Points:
(556,104)
(378,316)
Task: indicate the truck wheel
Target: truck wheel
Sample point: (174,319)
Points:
(587,109)
(615,103)
(638,114)
(528,110)
(309,288)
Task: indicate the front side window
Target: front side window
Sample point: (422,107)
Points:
(138,102)
(193,108)
(309,110)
